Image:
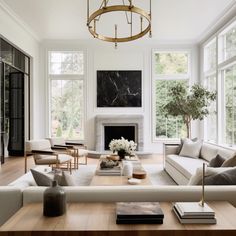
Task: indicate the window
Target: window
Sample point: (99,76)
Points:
(220,75)
(210,62)
(229,76)
(170,68)
(66,74)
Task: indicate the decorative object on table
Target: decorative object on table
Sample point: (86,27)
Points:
(54,200)
(113,157)
(194,213)
(140,174)
(202,202)
(114,171)
(131,158)
(123,147)
(127,169)
(134,181)
(127,9)
(119,88)
(190,105)
(139,213)
(108,164)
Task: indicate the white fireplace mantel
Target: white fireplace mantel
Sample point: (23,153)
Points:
(103,120)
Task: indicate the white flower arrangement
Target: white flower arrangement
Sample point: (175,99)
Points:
(122,144)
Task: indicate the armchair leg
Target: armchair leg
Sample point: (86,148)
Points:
(70,168)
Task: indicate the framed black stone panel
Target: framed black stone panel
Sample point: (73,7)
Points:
(119,88)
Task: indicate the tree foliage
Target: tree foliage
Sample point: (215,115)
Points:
(190,105)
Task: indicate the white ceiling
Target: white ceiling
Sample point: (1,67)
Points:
(173,20)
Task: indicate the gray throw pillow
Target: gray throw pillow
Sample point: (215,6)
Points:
(41,179)
(227,177)
(191,149)
(217,161)
(67,180)
(231,162)
(182,142)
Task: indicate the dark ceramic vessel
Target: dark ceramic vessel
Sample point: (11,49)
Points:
(54,200)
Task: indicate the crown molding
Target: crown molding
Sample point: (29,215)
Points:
(18,20)
(220,21)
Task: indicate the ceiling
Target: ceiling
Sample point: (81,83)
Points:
(173,20)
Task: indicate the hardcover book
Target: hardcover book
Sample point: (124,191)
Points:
(139,211)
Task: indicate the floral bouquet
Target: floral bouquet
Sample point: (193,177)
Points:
(122,146)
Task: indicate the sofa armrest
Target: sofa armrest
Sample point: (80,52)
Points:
(171,149)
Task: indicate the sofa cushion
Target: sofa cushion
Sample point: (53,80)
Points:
(208,152)
(41,179)
(196,179)
(231,162)
(217,161)
(227,177)
(182,140)
(187,166)
(191,149)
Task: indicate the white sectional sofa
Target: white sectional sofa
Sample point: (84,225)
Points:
(22,192)
(181,169)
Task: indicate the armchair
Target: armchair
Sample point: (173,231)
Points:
(44,155)
(78,150)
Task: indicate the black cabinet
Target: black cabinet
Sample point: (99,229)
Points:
(15,70)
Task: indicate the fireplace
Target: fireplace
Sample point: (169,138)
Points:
(110,127)
(117,131)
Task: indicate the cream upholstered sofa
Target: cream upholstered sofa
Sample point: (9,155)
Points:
(181,169)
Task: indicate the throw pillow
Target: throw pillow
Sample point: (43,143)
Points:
(41,179)
(217,161)
(182,142)
(224,178)
(191,149)
(67,180)
(196,179)
(231,162)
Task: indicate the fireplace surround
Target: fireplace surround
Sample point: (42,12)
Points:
(103,121)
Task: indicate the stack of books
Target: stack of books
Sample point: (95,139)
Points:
(115,171)
(194,213)
(139,213)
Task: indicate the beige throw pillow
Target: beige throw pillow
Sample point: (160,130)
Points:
(231,162)
(196,179)
(191,149)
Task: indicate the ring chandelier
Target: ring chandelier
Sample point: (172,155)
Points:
(126,7)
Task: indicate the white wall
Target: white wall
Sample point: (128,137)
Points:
(13,30)
(132,56)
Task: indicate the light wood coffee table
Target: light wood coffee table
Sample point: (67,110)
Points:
(99,219)
(99,180)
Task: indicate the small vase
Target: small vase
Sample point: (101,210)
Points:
(121,154)
(54,200)
(127,169)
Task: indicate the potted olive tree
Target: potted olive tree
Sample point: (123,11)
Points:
(189,104)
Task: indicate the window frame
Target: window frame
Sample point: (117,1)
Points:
(219,70)
(155,77)
(51,77)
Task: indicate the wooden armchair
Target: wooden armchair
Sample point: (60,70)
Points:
(44,155)
(78,150)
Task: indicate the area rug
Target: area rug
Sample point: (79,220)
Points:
(156,174)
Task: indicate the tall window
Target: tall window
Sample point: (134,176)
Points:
(210,62)
(220,75)
(169,68)
(66,74)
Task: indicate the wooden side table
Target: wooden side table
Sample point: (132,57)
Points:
(98,219)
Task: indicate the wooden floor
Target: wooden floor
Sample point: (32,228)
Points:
(14,166)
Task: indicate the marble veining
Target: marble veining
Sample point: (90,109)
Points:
(119,89)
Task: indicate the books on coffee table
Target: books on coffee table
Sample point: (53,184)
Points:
(139,213)
(194,213)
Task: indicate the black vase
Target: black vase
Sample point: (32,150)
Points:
(121,154)
(54,200)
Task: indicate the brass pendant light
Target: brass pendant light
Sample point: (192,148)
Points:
(129,9)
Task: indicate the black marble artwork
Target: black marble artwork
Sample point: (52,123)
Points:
(119,89)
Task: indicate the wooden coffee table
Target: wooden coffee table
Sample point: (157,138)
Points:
(99,219)
(99,180)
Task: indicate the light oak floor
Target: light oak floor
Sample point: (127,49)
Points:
(14,166)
